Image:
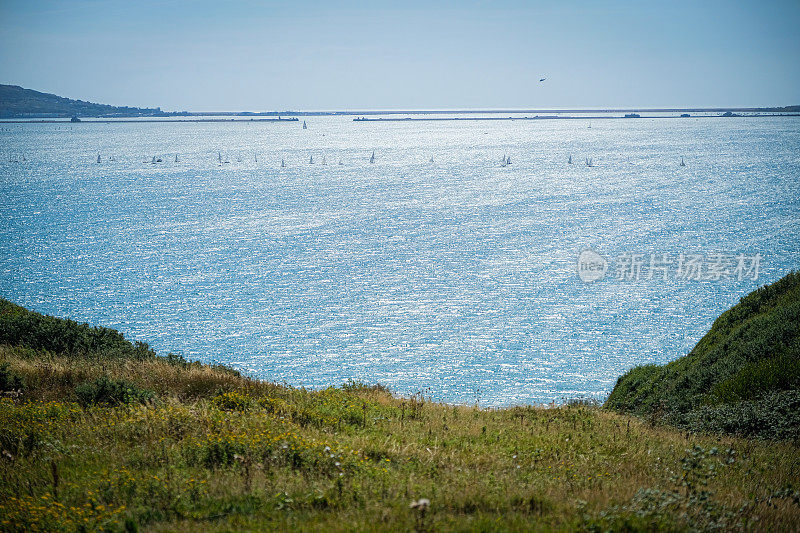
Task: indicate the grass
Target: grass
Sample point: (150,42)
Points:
(742,377)
(166,445)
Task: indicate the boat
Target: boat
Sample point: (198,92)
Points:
(176,158)
(633,115)
(569,161)
(508,160)
(311,160)
(324,161)
(154,160)
(589,162)
(283,163)
(372,157)
(682,163)
(219,156)
(304,125)
(98,158)
(431,159)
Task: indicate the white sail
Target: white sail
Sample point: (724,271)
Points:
(283,163)
(372,157)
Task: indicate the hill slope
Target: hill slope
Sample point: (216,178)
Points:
(17,102)
(742,377)
(100,434)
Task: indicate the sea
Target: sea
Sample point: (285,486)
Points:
(446,265)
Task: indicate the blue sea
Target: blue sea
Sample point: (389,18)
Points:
(439,268)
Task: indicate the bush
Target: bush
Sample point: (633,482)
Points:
(9,380)
(104,391)
(20,327)
(232,401)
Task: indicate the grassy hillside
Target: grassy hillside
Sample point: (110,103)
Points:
(16,101)
(742,377)
(101,434)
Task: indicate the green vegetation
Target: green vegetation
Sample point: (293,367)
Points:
(743,376)
(16,102)
(101,434)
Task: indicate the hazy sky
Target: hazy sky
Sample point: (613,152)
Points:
(405,54)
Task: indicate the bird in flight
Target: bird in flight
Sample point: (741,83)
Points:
(542,79)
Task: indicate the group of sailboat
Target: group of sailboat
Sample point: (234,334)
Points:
(505,160)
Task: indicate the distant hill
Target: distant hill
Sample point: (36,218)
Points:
(17,102)
(743,376)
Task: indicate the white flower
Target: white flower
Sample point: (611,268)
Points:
(422,504)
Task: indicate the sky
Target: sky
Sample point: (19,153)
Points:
(329,55)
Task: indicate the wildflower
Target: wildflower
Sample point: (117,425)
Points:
(421,505)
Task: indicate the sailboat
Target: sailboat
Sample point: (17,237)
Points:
(311,160)
(176,158)
(283,163)
(98,158)
(569,161)
(508,160)
(324,161)
(589,162)
(372,157)
(219,156)
(304,125)
(340,162)
(154,160)
(682,163)
(431,159)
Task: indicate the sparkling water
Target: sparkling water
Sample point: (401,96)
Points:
(437,268)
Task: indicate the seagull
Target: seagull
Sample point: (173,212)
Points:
(542,79)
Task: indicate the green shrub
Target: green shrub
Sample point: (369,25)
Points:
(20,327)
(10,381)
(104,391)
(232,401)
